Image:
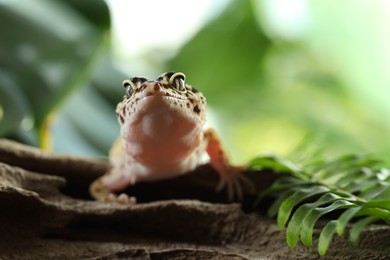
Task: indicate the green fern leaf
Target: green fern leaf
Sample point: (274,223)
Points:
(347,164)
(280,185)
(359,227)
(273,162)
(351,176)
(384,204)
(357,186)
(344,219)
(313,215)
(274,209)
(384,194)
(353,184)
(374,190)
(326,237)
(297,197)
(295,224)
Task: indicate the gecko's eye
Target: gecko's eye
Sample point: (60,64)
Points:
(177,81)
(129,87)
(138,80)
(132,84)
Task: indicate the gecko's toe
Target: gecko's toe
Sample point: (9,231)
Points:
(235,182)
(121,199)
(125,199)
(110,198)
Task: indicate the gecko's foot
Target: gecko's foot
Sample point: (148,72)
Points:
(102,193)
(235,182)
(121,199)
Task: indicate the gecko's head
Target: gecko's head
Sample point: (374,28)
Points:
(168,93)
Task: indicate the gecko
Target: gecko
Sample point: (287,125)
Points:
(162,135)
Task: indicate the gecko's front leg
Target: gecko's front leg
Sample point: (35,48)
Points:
(231,176)
(101,192)
(116,179)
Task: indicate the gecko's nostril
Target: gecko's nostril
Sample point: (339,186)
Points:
(157,86)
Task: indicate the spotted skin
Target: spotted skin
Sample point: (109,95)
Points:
(162,136)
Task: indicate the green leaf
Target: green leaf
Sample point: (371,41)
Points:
(347,163)
(383,204)
(45,62)
(232,45)
(287,206)
(383,194)
(378,212)
(98,102)
(280,184)
(296,222)
(273,163)
(308,151)
(374,190)
(357,186)
(357,228)
(313,215)
(330,167)
(326,236)
(383,175)
(273,210)
(344,218)
(352,183)
(353,175)
(14,108)
(97,13)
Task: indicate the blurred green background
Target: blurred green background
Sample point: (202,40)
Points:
(274,71)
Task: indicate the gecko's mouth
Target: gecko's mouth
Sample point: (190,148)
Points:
(157,99)
(158,102)
(158,91)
